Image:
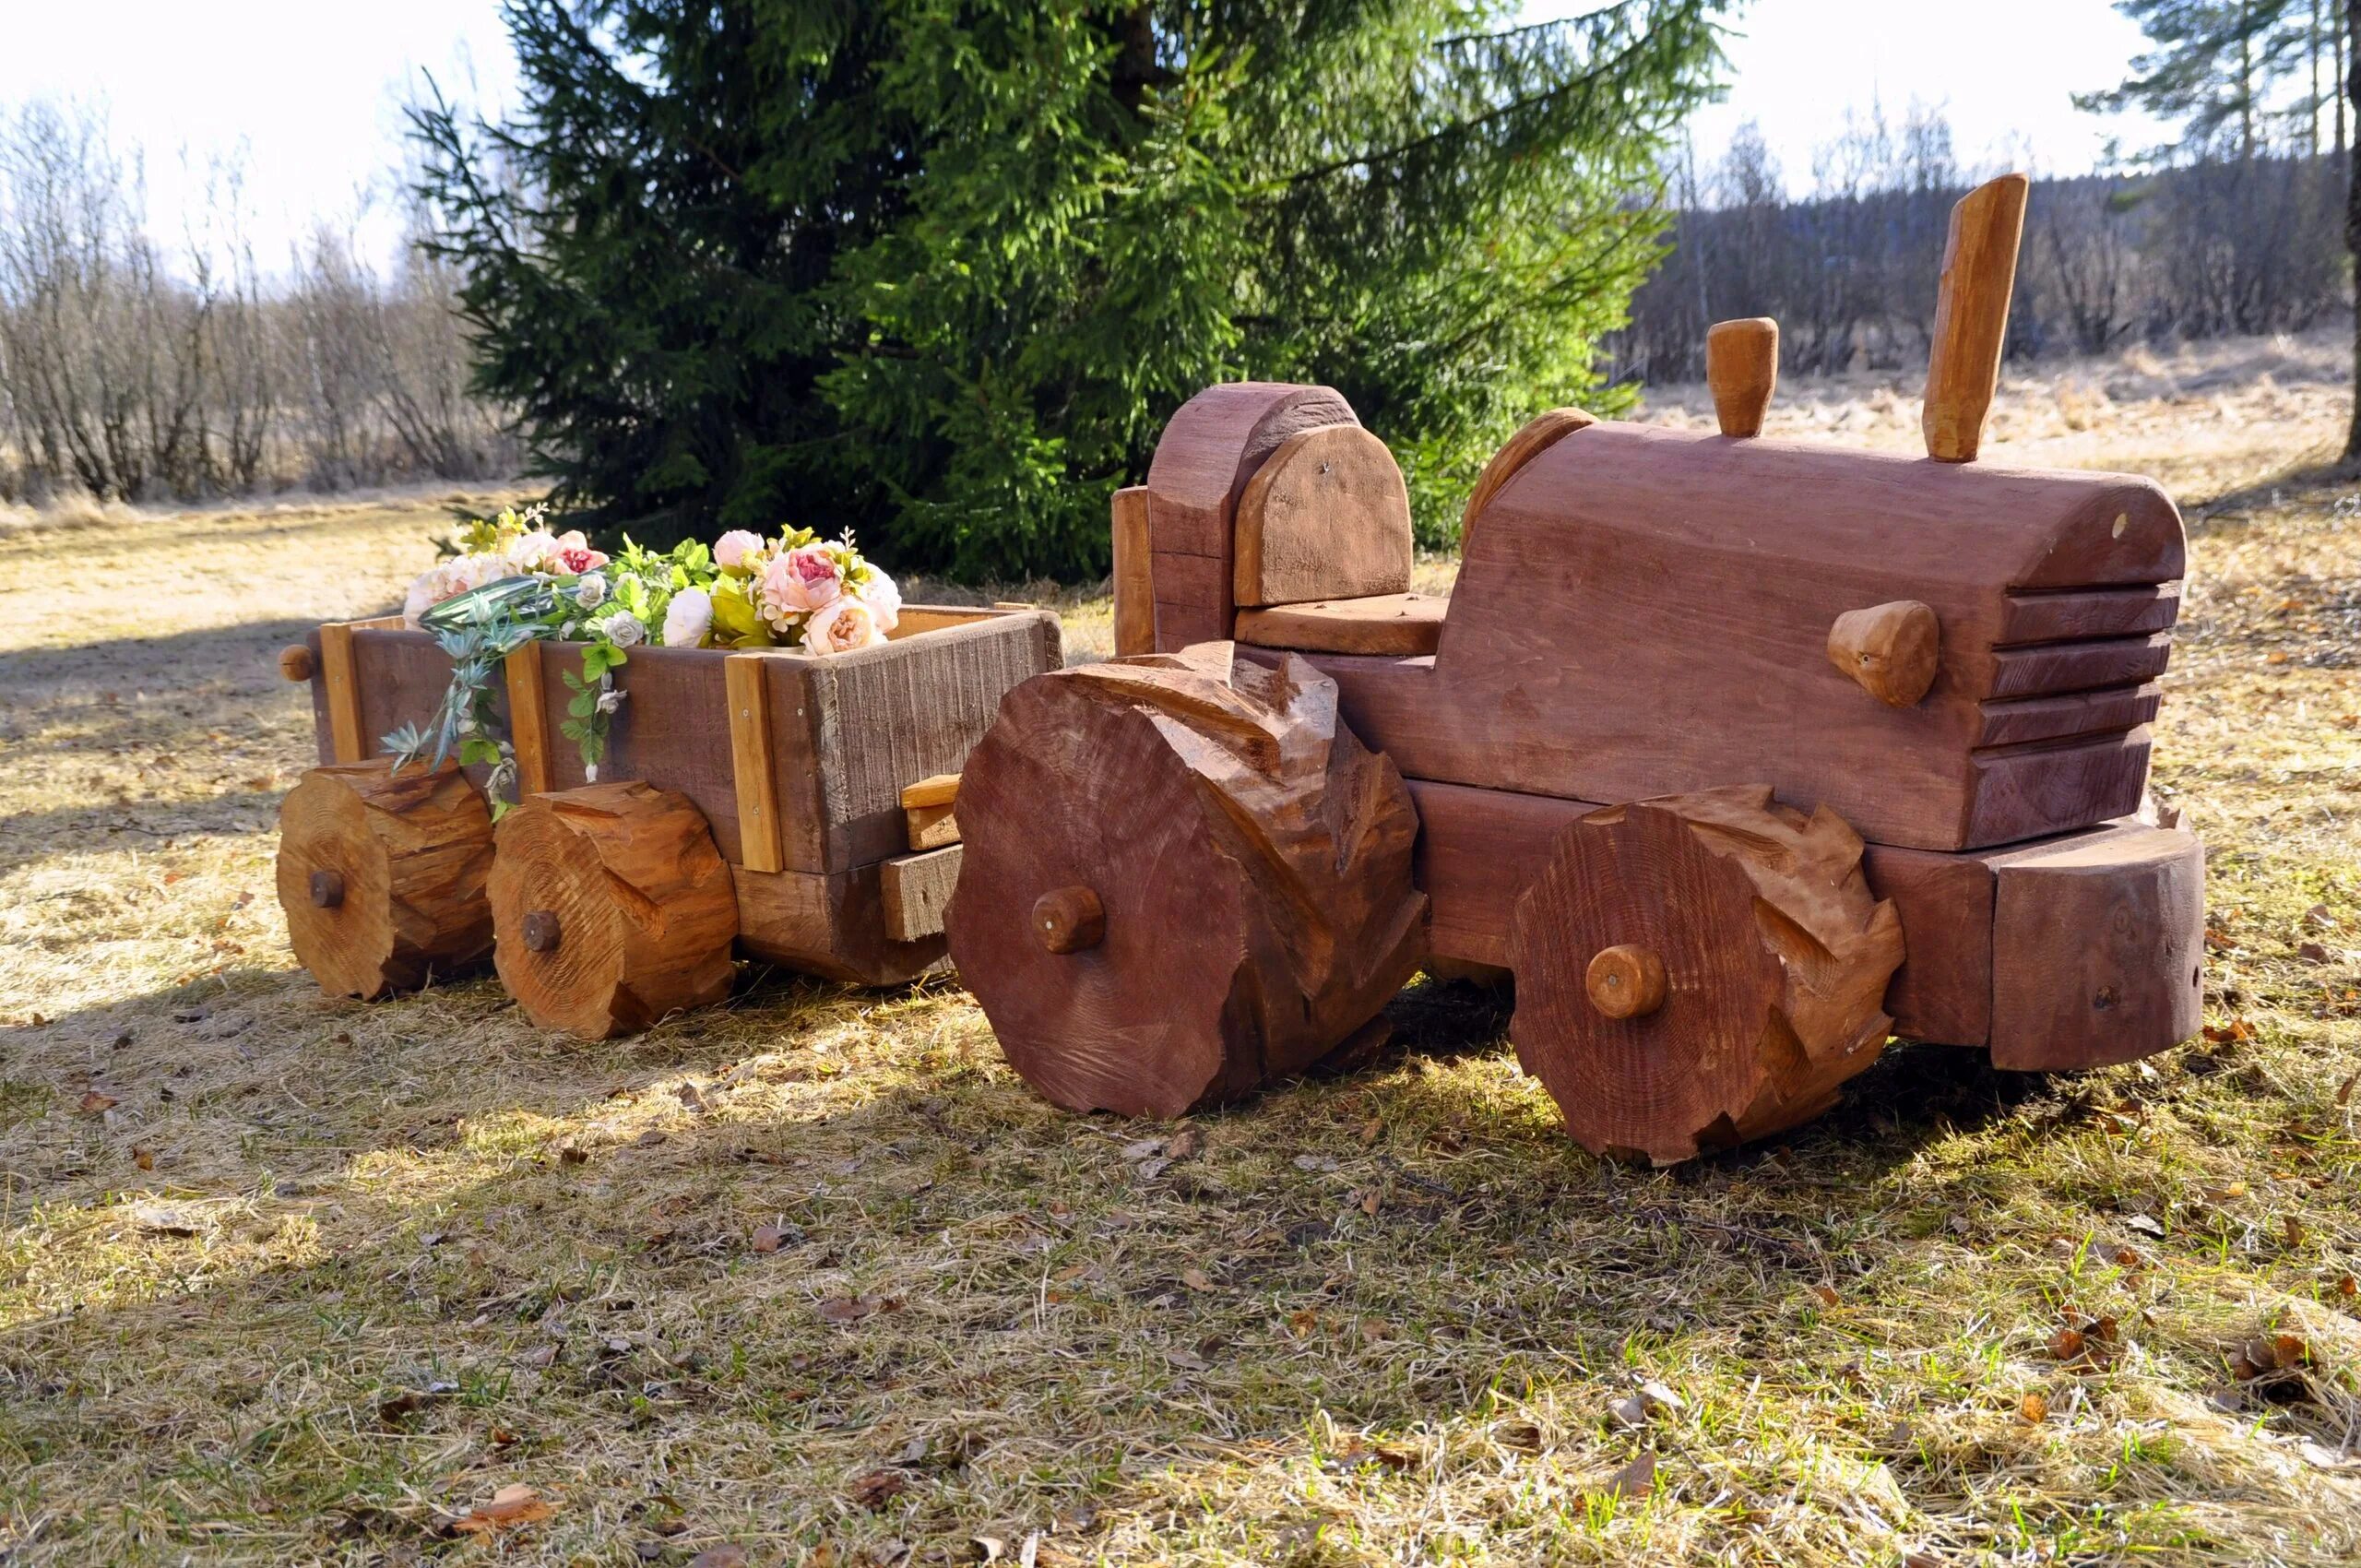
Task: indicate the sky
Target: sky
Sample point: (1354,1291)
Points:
(309,92)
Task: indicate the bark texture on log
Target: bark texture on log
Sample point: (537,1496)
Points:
(1247,867)
(1774,960)
(614,909)
(382,876)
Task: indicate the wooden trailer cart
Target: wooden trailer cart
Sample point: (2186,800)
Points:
(1740,755)
(749,802)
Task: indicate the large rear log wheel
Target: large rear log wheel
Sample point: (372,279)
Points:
(1182,878)
(614,909)
(381,875)
(1698,970)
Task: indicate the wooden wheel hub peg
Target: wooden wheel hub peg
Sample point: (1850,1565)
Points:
(382,876)
(613,906)
(1625,982)
(1753,930)
(1070,920)
(1182,878)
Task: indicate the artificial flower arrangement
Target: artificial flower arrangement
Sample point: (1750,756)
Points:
(510,580)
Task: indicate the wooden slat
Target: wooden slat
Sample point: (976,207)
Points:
(1134,579)
(528,721)
(345,738)
(760,846)
(916,890)
(939,789)
(1403,625)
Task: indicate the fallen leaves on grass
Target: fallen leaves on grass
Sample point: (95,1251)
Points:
(511,1507)
(878,1488)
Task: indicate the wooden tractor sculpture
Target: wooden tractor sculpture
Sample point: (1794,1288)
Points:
(1740,755)
(770,804)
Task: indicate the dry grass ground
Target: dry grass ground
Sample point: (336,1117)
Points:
(814,1276)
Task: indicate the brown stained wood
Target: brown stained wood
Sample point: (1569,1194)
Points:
(1625,982)
(1697,579)
(1396,624)
(625,878)
(1326,516)
(1251,859)
(915,891)
(1210,449)
(1742,369)
(1477,850)
(1971,316)
(831,924)
(1775,960)
(746,691)
(2095,613)
(1539,434)
(1135,576)
(1891,651)
(296,662)
(917,619)
(1069,919)
(382,877)
(2098,949)
(529,720)
(347,741)
(2080,666)
(2111,712)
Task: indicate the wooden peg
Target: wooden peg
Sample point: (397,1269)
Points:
(1069,919)
(1625,982)
(295,662)
(1742,368)
(1971,316)
(1892,649)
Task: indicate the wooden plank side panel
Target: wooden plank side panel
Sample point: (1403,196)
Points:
(829,925)
(340,683)
(887,717)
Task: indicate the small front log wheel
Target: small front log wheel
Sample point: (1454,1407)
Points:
(614,909)
(381,875)
(1182,879)
(1698,970)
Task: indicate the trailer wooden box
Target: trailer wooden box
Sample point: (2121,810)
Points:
(796,761)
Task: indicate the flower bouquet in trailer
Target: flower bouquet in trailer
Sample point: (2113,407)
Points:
(510,580)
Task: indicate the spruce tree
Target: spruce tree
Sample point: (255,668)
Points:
(940,272)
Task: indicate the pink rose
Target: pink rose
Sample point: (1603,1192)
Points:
(802,580)
(572,554)
(732,549)
(844,625)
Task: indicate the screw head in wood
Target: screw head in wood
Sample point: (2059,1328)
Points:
(1625,982)
(540,930)
(327,889)
(295,662)
(1069,919)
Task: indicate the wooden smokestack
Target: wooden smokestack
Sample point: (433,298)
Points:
(1971,316)
(1742,368)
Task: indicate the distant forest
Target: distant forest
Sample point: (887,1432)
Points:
(2220,245)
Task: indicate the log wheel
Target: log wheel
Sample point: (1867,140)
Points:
(1182,877)
(1698,970)
(381,875)
(613,909)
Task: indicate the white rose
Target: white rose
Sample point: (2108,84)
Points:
(688,618)
(590,592)
(883,598)
(421,596)
(842,625)
(623,629)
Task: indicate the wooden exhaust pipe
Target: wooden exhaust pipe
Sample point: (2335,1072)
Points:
(1742,369)
(1971,316)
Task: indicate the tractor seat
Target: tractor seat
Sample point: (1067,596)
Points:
(1397,625)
